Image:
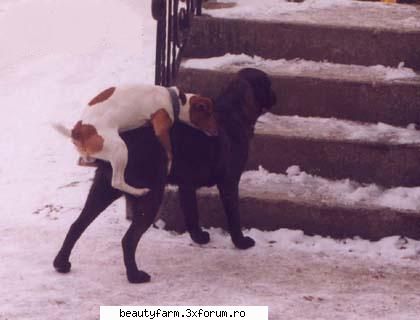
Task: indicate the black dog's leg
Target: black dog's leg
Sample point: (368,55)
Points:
(100,196)
(188,200)
(229,195)
(144,213)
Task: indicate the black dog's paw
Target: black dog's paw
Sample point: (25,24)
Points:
(244,243)
(138,277)
(200,236)
(62,265)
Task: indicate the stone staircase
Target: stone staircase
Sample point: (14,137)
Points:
(345,120)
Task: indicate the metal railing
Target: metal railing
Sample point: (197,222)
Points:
(173,24)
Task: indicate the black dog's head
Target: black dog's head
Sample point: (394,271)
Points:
(264,96)
(244,99)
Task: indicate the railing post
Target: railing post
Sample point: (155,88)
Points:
(159,14)
(173,21)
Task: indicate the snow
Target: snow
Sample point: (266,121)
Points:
(58,55)
(297,183)
(272,8)
(346,13)
(301,186)
(336,129)
(299,67)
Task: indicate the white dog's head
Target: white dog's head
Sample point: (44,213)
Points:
(199,112)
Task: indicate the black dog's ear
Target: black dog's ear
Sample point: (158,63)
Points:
(261,85)
(182,96)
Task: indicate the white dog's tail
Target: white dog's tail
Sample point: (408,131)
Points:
(62,129)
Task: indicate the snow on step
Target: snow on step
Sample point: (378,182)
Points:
(346,13)
(321,89)
(298,186)
(339,205)
(338,130)
(303,187)
(301,67)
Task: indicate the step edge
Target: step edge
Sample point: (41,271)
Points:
(381,144)
(228,70)
(263,197)
(374,30)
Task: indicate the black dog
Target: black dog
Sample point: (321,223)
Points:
(199,160)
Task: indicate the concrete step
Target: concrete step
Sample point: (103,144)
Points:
(317,206)
(349,32)
(368,94)
(338,149)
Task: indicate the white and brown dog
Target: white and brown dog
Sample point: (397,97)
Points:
(114,110)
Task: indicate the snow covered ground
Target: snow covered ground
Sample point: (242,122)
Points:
(55,55)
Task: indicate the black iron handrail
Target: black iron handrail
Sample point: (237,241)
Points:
(173,23)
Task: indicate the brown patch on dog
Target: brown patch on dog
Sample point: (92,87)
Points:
(161,121)
(104,95)
(202,114)
(86,139)
(162,124)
